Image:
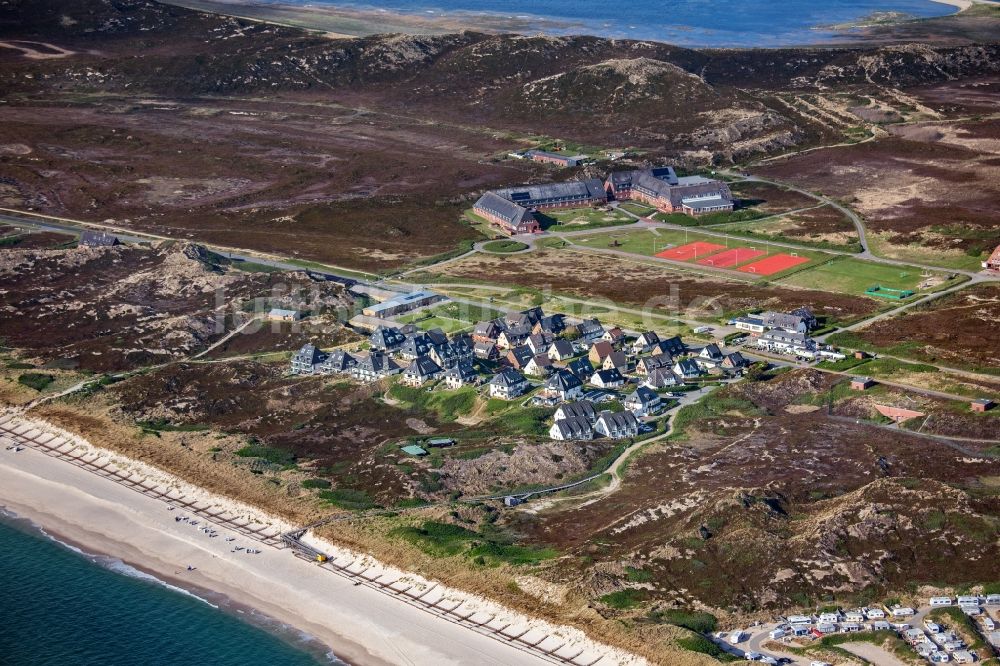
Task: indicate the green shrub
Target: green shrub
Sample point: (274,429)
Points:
(316,483)
(268,453)
(624,599)
(36,380)
(348,498)
(702,623)
(705,646)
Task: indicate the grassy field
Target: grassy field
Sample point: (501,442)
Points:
(450,317)
(742,215)
(575,219)
(774,229)
(504,246)
(853,276)
(649,242)
(880,246)
(636,207)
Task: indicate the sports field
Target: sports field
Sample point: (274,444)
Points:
(776,263)
(853,276)
(691,251)
(732,257)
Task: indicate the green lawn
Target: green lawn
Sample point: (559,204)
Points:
(637,208)
(574,219)
(848,275)
(504,246)
(450,317)
(722,217)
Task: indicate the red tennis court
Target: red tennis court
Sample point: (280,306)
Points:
(731,257)
(773,264)
(690,251)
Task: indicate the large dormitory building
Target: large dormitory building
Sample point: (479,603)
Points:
(513,208)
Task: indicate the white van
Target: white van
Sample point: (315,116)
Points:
(737,636)
(777,633)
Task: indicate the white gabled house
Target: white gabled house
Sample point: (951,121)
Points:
(645,342)
(374,367)
(579,409)
(617,425)
(420,370)
(607,379)
(575,428)
(564,385)
(643,401)
(460,375)
(508,384)
(687,368)
(560,350)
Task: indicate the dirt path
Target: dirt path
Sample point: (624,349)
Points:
(872,653)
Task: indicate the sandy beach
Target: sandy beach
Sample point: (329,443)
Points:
(360,623)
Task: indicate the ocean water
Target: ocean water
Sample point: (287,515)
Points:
(61,606)
(719,23)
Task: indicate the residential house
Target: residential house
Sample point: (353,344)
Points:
(673,346)
(647,364)
(488,331)
(560,350)
(711,352)
(581,367)
(518,357)
(538,366)
(386,338)
(616,360)
(563,385)
(487,351)
(579,409)
(451,354)
(687,368)
(437,337)
(459,375)
(540,342)
(552,324)
(807,316)
(643,401)
(613,335)
(599,351)
(734,362)
(571,429)
(338,362)
(421,370)
(617,425)
(527,318)
(375,366)
(513,336)
(645,342)
(416,346)
(589,330)
(307,360)
(607,379)
(508,384)
(662,378)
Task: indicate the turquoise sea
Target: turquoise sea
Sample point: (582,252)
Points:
(714,23)
(59,606)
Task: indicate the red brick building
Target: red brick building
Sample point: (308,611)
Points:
(664,190)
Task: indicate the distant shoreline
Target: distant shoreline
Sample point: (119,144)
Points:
(345,22)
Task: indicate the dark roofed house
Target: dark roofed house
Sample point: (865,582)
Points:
(673,346)
(488,331)
(519,356)
(607,379)
(386,338)
(538,366)
(616,360)
(649,363)
(508,384)
(643,401)
(582,368)
(437,337)
(600,351)
(661,378)
(512,217)
(98,239)
(459,375)
(617,425)
(540,342)
(589,329)
(735,361)
(421,370)
(564,385)
(580,409)
(645,342)
(374,367)
(662,188)
(486,351)
(560,350)
(307,360)
(551,324)
(416,346)
(574,428)
(338,362)
(687,368)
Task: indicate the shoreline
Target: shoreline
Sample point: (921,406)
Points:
(217,600)
(350,22)
(361,623)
